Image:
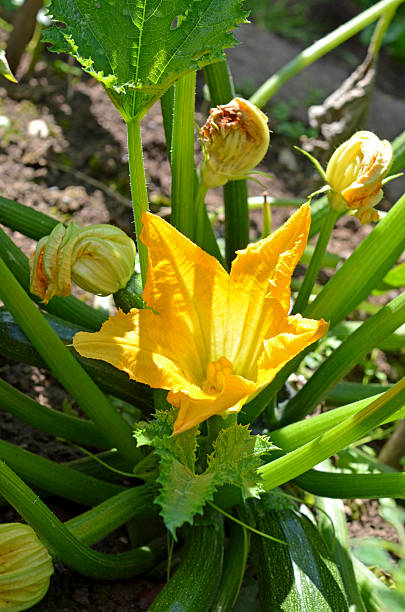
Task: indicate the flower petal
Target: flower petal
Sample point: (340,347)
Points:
(195,410)
(187,285)
(262,271)
(141,344)
(295,336)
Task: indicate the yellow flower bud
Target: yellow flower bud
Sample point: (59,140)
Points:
(25,568)
(98,258)
(355,173)
(235,139)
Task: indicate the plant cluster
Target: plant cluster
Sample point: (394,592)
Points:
(203,344)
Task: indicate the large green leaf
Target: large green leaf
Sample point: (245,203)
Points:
(138,48)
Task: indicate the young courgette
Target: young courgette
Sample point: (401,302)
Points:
(194,585)
(236,553)
(131,295)
(299,575)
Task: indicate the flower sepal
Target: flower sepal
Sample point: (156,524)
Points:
(236,455)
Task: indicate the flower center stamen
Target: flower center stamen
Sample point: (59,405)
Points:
(217,371)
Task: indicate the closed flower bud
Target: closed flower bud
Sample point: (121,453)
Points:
(98,258)
(235,139)
(25,568)
(355,173)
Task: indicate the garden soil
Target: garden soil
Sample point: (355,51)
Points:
(65,154)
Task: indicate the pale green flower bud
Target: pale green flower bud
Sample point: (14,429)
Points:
(355,173)
(235,139)
(98,258)
(25,568)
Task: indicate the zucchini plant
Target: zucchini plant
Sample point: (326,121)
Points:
(203,341)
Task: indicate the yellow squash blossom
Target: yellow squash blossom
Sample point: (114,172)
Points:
(99,258)
(211,338)
(25,567)
(355,173)
(235,138)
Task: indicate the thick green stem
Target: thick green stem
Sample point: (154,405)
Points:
(204,234)
(332,441)
(220,84)
(24,219)
(364,269)
(65,545)
(353,486)
(138,188)
(182,156)
(95,524)
(380,30)
(236,219)
(344,358)
(266,231)
(295,435)
(51,421)
(167,107)
(319,49)
(348,392)
(65,367)
(221,89)
(315,263)
(55,478)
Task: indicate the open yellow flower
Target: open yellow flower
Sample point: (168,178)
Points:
(211,338)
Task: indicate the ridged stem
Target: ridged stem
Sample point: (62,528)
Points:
(24,219)
(295,435)
(65,545)
(182,156)
(236,219)
(167,107)
(344,358)
(204,235)
(315,262)
(93,525)
(352,486)
(307,456)
(139,192)
(65,367)
(56,478)
(348,392)
(53,422)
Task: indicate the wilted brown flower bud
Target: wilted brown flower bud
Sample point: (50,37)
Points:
(235,139)
(25,567)
(355,173)
(98,258)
